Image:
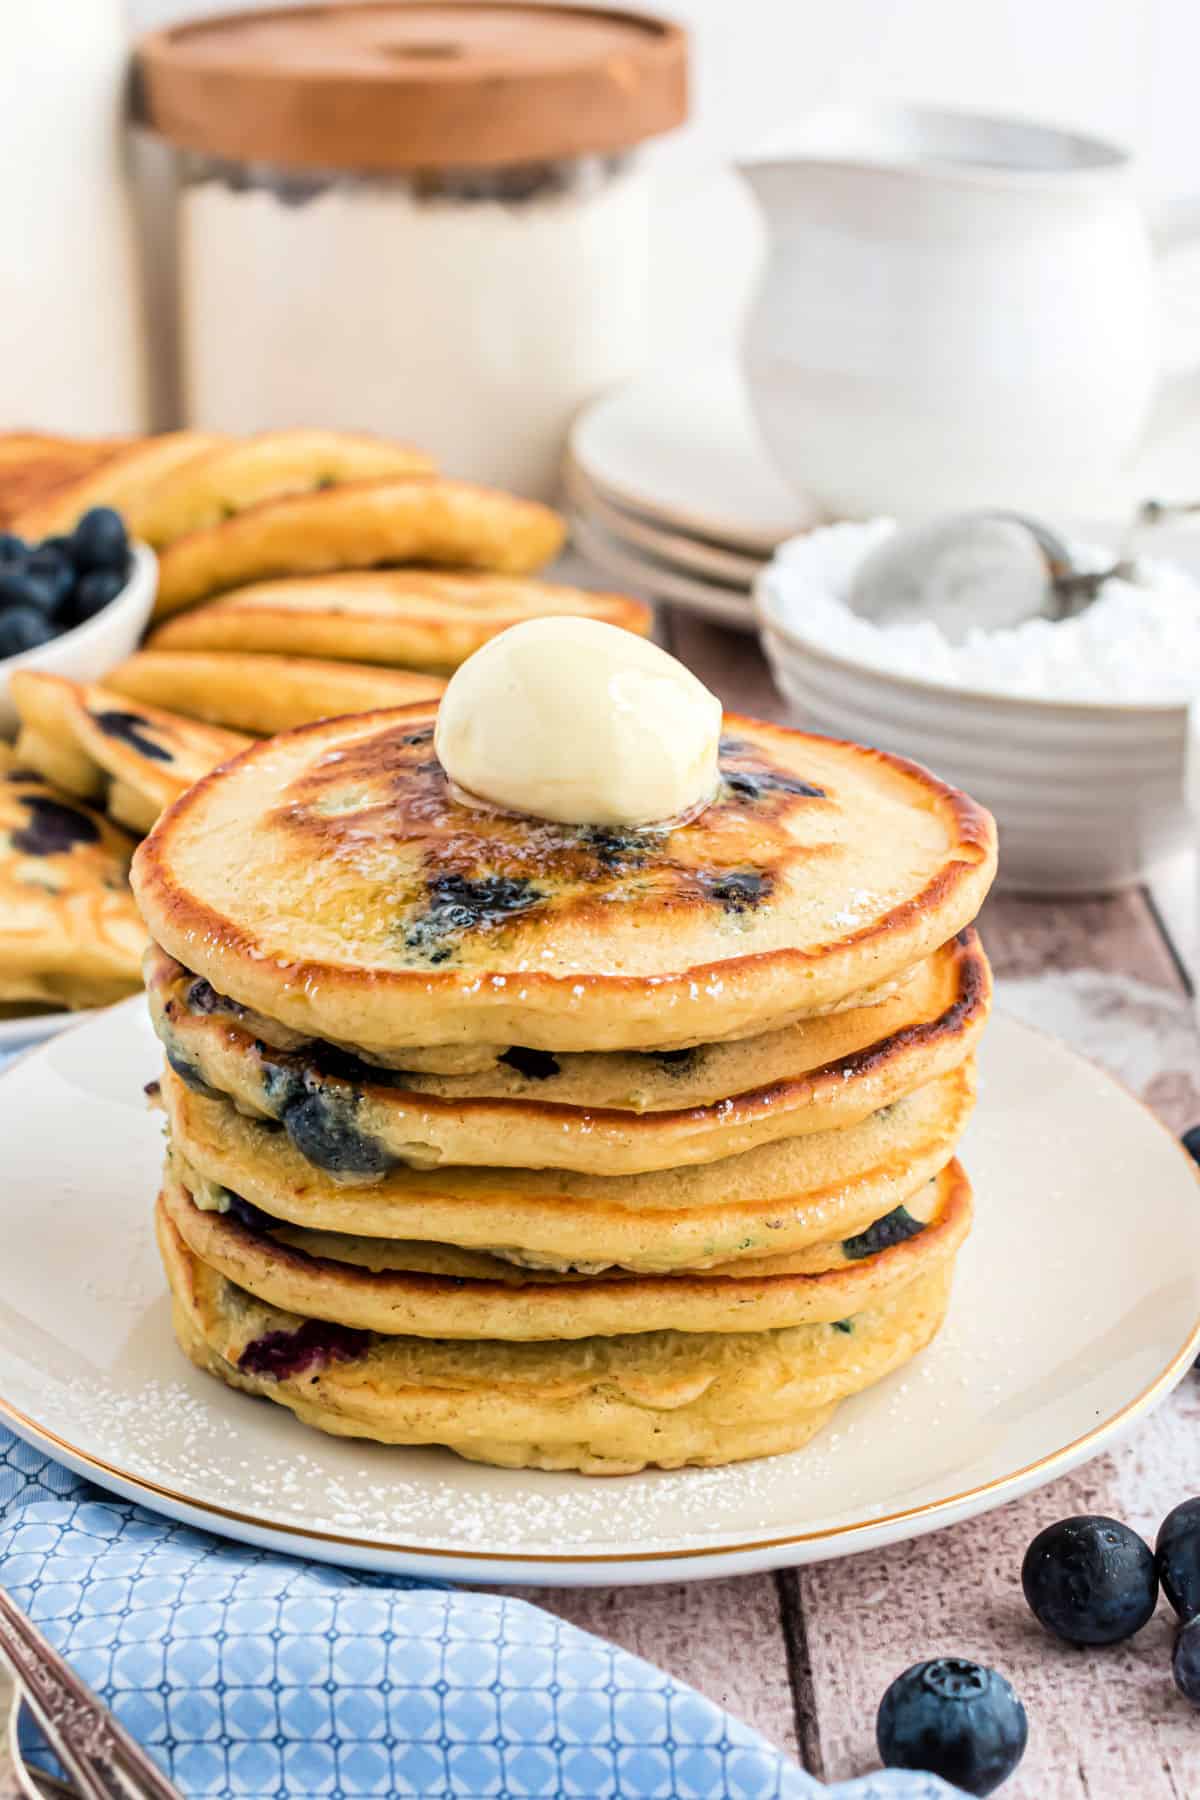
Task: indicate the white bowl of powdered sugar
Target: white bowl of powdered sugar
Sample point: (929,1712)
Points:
(1073,732)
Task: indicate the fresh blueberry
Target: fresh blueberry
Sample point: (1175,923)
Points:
(53,572)
(13,550)
(953,1718)
(1090,1580)
(1177,1558)
(99,541)
(23,628)
(93,592)
(19,588)
(1185,1664)
(1191,1142)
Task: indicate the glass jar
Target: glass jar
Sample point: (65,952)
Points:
(428,221)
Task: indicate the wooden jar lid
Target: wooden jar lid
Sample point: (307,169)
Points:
(399,84)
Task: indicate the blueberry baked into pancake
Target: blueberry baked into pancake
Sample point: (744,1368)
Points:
(568,1076)
(70,934)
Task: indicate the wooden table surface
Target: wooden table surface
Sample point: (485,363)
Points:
(805,1654)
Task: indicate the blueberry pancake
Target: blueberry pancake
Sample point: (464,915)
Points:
(404,618)
(70,934)
(715,1102)
(193,995)
(603,1405)
(114,479)
(237,473)
(820,869)
(263,694)
(360,525)
(134,760)
(35,465)
(769,1202)
(440,1291)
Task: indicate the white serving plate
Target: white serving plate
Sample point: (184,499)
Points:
(34,1028)
(690,555)
(679,447)
(620,562)
(1077,1307)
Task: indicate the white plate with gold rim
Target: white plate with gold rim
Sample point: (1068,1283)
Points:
(17,1032)
(1077,1307)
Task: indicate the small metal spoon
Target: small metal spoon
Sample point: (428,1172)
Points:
(979,570)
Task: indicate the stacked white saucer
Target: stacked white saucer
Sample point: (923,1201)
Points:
(672,494)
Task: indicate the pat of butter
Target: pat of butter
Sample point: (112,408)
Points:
(581,723)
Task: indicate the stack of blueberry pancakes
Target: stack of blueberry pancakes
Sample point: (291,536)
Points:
(564,1146)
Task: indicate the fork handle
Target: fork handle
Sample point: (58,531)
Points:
(101,1757)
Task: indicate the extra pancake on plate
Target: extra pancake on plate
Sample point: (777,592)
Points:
(407,618)
(70,934)
(132,759)
(820,869)
(116,477)
(716,1101)
(604,1405)
(35,465)
(442,1291)
(776,1200)
(359,525)
(233,475)
(263,694)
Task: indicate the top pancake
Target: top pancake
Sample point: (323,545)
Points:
(329,879)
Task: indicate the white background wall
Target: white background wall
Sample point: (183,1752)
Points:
(1126,68)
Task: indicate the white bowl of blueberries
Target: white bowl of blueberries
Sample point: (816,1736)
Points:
(74,605)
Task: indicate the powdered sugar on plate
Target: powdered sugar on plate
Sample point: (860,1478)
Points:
(1139,642)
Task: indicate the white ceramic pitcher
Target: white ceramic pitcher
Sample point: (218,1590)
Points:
(956,311)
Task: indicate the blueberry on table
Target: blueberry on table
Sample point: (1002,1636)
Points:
(19,588)
(1177,1558)
(100,541)
(13,550)
(1191,1142)
(23,628)
(1090,1580)
(953,1718)
(93,593)
(1185,1664)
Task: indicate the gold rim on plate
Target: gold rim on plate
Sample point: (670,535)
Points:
(1158,1388)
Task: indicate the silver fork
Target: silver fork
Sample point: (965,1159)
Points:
(19,1776)
(99,1755)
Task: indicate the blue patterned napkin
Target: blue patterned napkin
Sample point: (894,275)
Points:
(261,1677)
